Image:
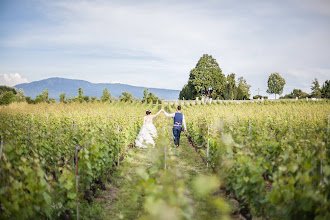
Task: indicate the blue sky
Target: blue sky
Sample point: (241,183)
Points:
(157,43)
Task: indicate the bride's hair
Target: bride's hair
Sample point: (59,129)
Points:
(148,112)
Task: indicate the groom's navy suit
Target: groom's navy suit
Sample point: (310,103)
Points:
(177,126)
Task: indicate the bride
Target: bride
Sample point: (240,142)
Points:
(147,132)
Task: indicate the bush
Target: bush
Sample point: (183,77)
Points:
(257,97)
(7,97)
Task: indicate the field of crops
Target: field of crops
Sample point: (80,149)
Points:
(272,157)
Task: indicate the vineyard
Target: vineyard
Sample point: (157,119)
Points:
(266,159)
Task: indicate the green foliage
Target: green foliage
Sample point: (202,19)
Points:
(207,77)
(7,97)
(106,96)
(326,89)
(43,97)
(296,93)
(149,97)
(271,161)
(37,166)
(20,95)
(275,84)
(145,94)
(188,92)
(126,97)
(4,89)
(243,89)
(316,90)
(62,98)
(231,89)
(29,100)
(94,99)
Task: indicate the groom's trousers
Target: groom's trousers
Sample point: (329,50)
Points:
(176,134)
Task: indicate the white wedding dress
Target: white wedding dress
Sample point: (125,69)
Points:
(147,133)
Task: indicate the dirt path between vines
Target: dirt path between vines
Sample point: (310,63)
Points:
(120,201)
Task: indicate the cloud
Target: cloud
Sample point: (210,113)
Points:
(11,79)
(157,43)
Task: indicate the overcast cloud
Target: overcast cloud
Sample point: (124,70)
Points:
(157,43)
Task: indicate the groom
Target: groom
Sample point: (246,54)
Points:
(177,126)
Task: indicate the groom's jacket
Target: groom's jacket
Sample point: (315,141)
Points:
(179,119)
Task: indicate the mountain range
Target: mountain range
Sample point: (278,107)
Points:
(70,87)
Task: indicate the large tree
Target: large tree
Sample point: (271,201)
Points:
(188,92)
(4,89)
(326,89)
(275,84)
(316,90)
(243,89)
(230,92)
(207,77)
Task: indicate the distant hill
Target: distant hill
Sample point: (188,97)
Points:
(56,86)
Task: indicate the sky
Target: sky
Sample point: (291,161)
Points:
(155,44)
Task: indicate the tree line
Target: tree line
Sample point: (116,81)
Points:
(10,94)
(206,80)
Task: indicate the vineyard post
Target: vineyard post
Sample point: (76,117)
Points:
(221,127)
(1,149)
(118,143)
(77,181)
(74,132)
(28,130)
(164,146)
(326,147)
(165,158)
(208,145)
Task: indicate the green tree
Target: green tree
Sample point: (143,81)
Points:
(296,93)
(8,89)
(126,97)
(85,98)
(152,98)
(316,90)
(275,84)
(243,89)
(145,95)
(20,95)
(230,92)
(44,95)
(52,100)
(94,99)
(149,97)
(29,100)
(7,97)
(38,99)
(326,89)
(207,77)
(62,98)
(80,95)
(106,96)
(188,92)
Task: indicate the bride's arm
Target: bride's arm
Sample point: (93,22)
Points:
(157,113)
(144,120)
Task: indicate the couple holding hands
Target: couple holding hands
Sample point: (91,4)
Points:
(148,131)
